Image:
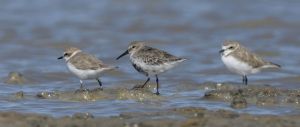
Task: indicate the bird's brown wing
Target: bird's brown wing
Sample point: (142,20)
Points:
(252,59)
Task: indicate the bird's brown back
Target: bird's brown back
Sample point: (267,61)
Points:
(86,61)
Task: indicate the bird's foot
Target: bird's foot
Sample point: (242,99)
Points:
(137,87)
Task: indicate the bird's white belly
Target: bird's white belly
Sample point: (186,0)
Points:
(84,74)
(154,69)
(237,66)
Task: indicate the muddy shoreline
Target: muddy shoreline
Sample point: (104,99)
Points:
(235,95)
(177,117)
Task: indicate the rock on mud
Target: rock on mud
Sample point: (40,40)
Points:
(15,78)
(19,95)
(47,95)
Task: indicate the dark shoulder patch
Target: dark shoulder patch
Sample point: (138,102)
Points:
(139,69)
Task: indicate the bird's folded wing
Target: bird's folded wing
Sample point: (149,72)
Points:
(252,59)
(155,56)
(86,61)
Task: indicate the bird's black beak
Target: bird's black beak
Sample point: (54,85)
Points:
(221,51)
(125,53)
(60,57)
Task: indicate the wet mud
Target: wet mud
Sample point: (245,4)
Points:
(237,97)
(100,94)
(261,95)
(177,117)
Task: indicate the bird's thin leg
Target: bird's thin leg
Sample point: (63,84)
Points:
(100,83)
(81,84)
(243,79)
(246,80)
(81,88)
(157,85)
(142,86)
(146,82)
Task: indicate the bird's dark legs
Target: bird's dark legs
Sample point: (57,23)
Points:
(157,85)
(146,82)
(100,83)
(245,80)
(142,86)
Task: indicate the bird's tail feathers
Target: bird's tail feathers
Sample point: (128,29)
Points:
(182,59)
(271,65)
(108,68)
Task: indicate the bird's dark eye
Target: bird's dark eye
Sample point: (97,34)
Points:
(133,46)
(66,54)
(231,47)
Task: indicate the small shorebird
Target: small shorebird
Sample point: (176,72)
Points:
(150,61)
(239,60)
(84,65)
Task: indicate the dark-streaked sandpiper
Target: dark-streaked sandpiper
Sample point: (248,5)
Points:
(150,61)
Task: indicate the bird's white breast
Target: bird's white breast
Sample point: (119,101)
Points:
(237,66)
(84,74)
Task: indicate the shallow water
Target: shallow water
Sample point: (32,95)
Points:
(33,34)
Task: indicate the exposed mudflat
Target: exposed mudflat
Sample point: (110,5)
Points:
(235,98)
(178,117)
(258,95)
